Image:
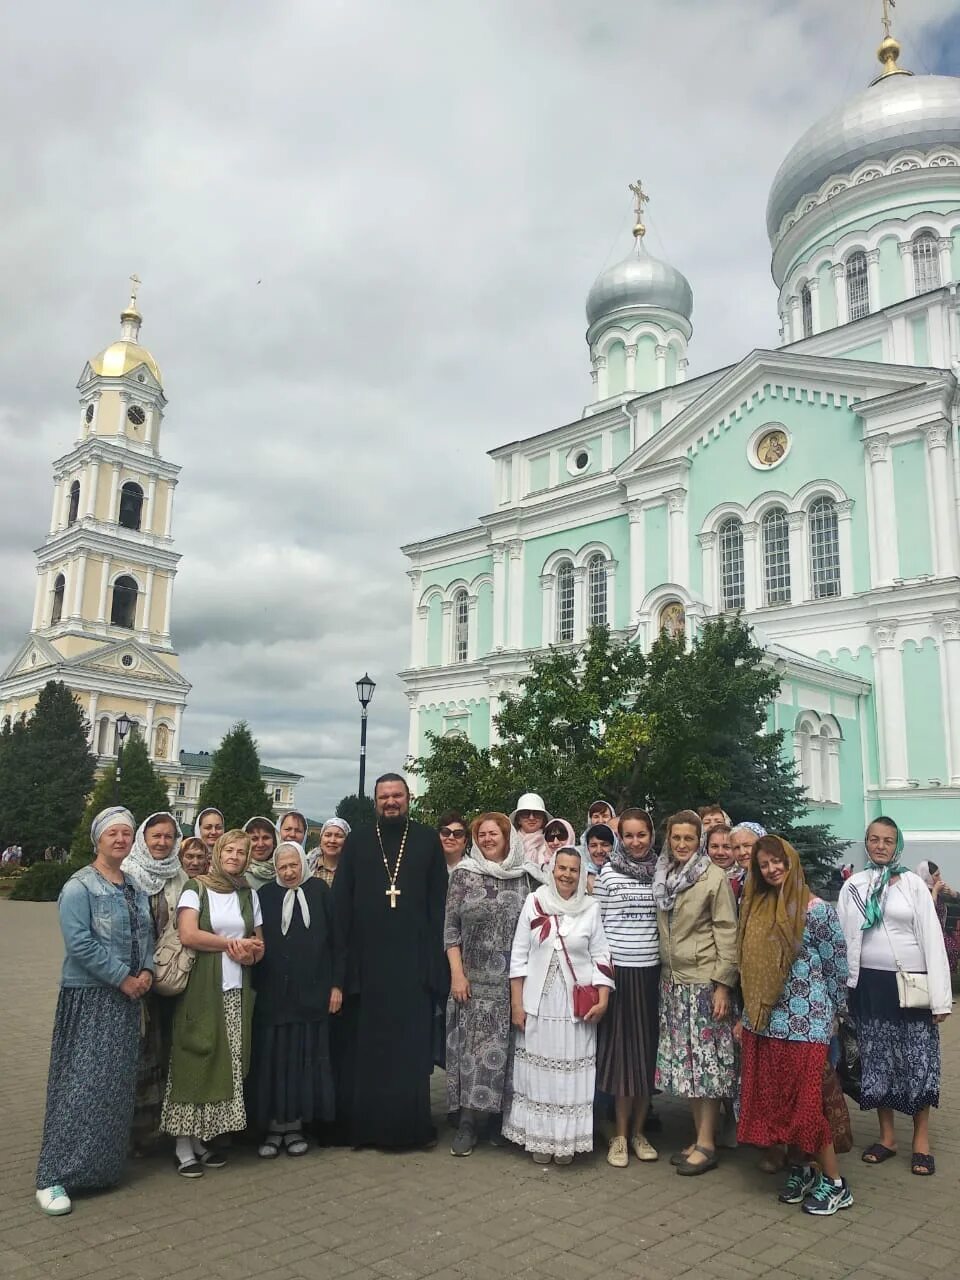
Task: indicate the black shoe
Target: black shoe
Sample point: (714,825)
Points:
(213,1159)
(464,1140)
(190,1169)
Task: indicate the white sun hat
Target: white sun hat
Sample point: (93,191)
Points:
(534,804)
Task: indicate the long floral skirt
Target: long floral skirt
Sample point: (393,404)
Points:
(207,1120)
(781,1093)
(90,1088)
(695,1057)
(478,1045)
(899,1048)
(549,1103)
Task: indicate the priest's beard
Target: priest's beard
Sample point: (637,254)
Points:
(393,820)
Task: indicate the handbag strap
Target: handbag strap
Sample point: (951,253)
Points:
(893,950)
(573,971)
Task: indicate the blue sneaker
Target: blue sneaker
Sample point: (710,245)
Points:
(800,1182)
(827,1197)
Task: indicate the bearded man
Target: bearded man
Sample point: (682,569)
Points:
(389,964)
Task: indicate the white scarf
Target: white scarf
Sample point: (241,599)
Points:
(293,896)
(551,903)
(147,872)
(512,867)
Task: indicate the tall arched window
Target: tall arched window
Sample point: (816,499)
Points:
(732,575)
(461,626)
(597,591)
(74,502)
(131,505)
(56,613)
(776,557)
(123,611)
(926,262)
(858,286)
(806,311)
(565,590)
(824,549)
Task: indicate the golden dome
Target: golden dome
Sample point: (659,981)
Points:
(122,357)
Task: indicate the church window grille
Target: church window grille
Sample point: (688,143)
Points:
(461,627)
(74,502)
(806,311)
(597,590)
(776,557)
(824,549)
(565,596)
(732,572)
(59,586)
(131,506)
(926,262)
(858,286)
(123,611)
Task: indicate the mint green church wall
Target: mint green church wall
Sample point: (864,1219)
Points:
(646,365)
(869,213)
(434,719)
(891,275)
(672,359)
(861,664)
(434,632)
(539,471)
(484,619)
(431,721)
(655,546)
(619,444)
(955,257)
(845,818)
(869,351)
(910,489)
(613,533)
(465,569)
(923,701)
(921,345)
(616,368)
(480,723)
(828,299)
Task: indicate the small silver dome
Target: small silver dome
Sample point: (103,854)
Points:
(639,281)
(896,113)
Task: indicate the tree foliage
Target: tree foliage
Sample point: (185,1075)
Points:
(141,790)
(235,786)
(358,812)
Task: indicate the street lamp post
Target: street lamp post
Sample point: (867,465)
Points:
(124,724)
(365,688)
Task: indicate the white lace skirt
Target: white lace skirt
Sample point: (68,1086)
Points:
(549,1102)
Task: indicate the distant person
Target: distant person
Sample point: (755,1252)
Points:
(453,838)
(209,827)
(929,873)
(529,818)
(325,859)
(263,842)
(293,826)
(194,857)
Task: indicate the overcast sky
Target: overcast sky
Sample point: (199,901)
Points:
(365,233)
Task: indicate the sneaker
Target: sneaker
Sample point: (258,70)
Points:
(54,1201)
(617,1153)
(563,1159)
(642,1149)
(542,1157)
(464,1140)
(801,1180)
(826,1197)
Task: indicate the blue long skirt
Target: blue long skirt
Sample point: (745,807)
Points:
(899,1048)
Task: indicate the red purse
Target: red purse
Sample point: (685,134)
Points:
(584,996)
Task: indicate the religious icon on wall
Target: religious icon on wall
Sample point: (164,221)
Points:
(673,619)
(771,447)
(161,742)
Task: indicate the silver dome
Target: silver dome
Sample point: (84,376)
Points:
(897,113)
(639,281)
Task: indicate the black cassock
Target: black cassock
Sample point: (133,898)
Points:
(390,964)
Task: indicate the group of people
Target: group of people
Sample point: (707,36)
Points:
(232,980)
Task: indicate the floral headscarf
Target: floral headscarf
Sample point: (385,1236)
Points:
(147,872)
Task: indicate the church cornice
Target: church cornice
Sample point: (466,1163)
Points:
(120,452)
(96,537)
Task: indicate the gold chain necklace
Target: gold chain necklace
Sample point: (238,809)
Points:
(393,893)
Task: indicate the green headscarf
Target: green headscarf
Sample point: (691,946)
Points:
(881,877)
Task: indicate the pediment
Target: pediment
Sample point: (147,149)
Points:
(35,654)
(128,659)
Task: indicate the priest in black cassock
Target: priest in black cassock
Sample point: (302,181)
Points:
(388,903)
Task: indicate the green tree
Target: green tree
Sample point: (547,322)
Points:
(235,786)
(456,775)
(141,790)
(13,783)
(356,811)
(56,770)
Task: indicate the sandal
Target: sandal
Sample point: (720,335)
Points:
(877,1154)
(295,1144)
(688,1170)
(269,1149)
(923,1164)
(681,1157)
(190,1168)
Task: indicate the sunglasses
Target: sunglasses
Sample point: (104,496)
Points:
(556,839)
(453,833)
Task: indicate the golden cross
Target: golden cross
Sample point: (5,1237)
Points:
(393,893)
(640,198)
(887,17)
(135,283)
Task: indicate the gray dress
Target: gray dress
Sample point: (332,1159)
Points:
(481,919)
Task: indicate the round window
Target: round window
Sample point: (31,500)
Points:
(136,415)
(89,414)
(581,460)
(127,659)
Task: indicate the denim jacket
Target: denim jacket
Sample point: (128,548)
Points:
(95,924)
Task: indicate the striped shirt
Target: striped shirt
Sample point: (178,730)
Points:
(629,919)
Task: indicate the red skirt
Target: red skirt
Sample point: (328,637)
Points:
(781,1094)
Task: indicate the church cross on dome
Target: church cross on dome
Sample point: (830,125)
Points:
(889,50)
(130,317)
(135,283)
(640,198)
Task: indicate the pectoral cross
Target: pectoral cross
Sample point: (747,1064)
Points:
(393,893)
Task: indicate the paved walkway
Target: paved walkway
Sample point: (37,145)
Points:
(367,1215)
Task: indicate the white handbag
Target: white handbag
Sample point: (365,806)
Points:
(913,989)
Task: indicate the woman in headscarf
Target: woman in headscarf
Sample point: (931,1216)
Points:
(891,929)
(107,970)
(153,864)
(697,920)
(929,873)
(559,944)
(529,818)
(219,917)
(209,827)
(326,858)
(743,841)
(599,841)
(627,1053)
(263,844)
(487,891)
(558,834)
(602,811)
(793,975)
(293,826)
(194,857)
(291,1078)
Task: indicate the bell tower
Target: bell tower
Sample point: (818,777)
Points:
(105,572)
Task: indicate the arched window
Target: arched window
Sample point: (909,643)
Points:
(858,286)
(461,626)
(123,612)
(56,613)
(804,760)
(776,557)
(74,502)
(597,590)
(103,733)
(926,262)
(565,590)
(806,311)
(824,549)
(732,575)
(131,505)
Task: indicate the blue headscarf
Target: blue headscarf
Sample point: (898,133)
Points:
(115,816)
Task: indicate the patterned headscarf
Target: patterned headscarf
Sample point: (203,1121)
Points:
(315,856)
(671,878)
(261,870)
(641,869)
(216,879)
(514,864)
(147,872)
(295,895)
(880,878)
(755,827)
(772,921)
(115,816)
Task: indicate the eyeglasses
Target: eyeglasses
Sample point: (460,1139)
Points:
(555,839)
(453,833)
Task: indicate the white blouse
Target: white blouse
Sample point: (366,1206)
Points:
(226,920)
(586,945)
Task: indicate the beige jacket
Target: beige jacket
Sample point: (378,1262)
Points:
(698,938)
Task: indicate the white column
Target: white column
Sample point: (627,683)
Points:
(114,510)
(472,628)
(65,505)
(579,610)
(944,543)
(57,503)
(708,547)
(547,581)
(832,746)
(794,320)
(678,569)
(495,691)
(945,248)
(884,518)
(168,514)
(637,562)
(499,595)
(838,271)
(40,599)
(751,569)
(415,577)
(660,353)
(873,278)
(93,474)
(79,581)
(683,364)
(148,426)
(516,593)
(845,539)
(167,605)
(104,584)
(950,630)
(813,284)
(419,644)
(889,694)
(799,568)
(177,723)
(413,729)
(815,782)
(631,351)
(149,522)
(446,633)
(148,733)
(147,602)
(92,716)
(600,376)
(906,266)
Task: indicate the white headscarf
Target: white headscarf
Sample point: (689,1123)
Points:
(549,897)
(147,872)
(315,856)
(512,867)
(925,874)
(114,816)
(293,896)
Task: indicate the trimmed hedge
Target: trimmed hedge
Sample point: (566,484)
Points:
(43,881)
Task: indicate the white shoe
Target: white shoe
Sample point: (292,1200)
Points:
(54,1201)
(617,1153)
(642,1149)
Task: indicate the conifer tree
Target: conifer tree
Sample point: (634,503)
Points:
(142,791)
(235,786)
(356,811)
(55,769)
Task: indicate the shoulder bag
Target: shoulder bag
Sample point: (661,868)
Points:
(172,961)
(585,996)
(913,989)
